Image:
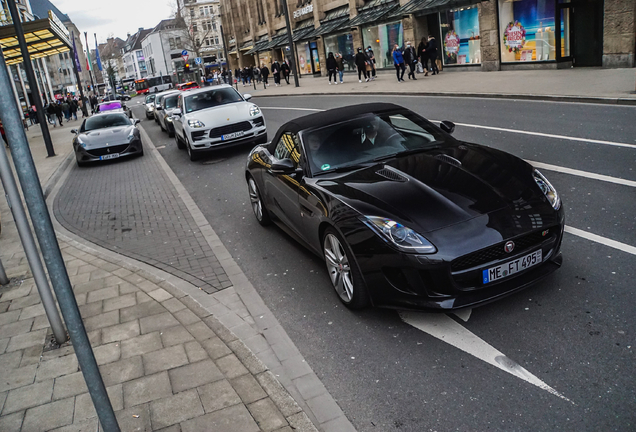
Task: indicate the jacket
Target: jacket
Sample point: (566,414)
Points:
(432,47)
(361,60)
(340,64)
(265,72)
(409,55)
(285,69)
(421,50)
(397,57)
(332,64)
(275,68)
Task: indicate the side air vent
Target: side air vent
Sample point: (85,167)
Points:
(449,160)
(391,175)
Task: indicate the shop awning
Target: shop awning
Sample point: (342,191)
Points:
(246,46)
(373,11)
(336,19)
(259,45)
(278,40)
(426,7)
(43,37)
(232,50)
(304,28)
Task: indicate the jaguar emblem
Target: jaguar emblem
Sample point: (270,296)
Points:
(509,246)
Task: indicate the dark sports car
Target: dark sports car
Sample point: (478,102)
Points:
(404,214)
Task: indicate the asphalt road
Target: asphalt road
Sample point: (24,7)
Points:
(575,331)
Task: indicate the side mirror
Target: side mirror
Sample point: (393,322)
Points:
(159,108)
(247,96)
(137,121)
(176,113)
(283,167)
(447,126)
(74,131)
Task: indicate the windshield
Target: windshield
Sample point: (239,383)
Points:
(109,106)
(210,99)
(105,121)
(150,98)
(366,139)
(171,101)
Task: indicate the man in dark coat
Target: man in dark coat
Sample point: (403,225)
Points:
(361,61)
(285,70)
(410,58)
(276,72)
(432,54)
(423,55)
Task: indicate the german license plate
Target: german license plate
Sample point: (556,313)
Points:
(512,267)
(109,156)
(232,135)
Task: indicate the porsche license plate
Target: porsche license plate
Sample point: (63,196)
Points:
(512,267)
(232,135)
(109,156)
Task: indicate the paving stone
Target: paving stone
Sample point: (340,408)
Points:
(95,337)
(215,348)
(141,344)
(173,428)
(87,286)
(28,396)
(91,309)
(26,340)
(157,322)
(160,294)
(173,305)
(324,407)
(296,367)
(195,351)
(194,375)
(120,332)
(123,301)
(3,344)
(22,302)
(309,386)
(89,425)
(231,366)
(231,419)
(102,320)
(57,367)
(141,310)
(122,371)
(21,291)
(84,408)
(99,274)
(186,317)
(285,429)
(267,416)
(175,409)
(221,331)
(175,335)
(249,360)
(102,294)
(142,297)
(200,331)
(15,328)
(301,423)
(80,299)
(69,385)
(12,316)
(10,361)
(18,378)
(146,389)
(285,403)
(40,322)
(32,311)
(3,398)
(128,422)
(339,424)
(127,288)
(248,389)
(109,353)
(165,359)
(11,422)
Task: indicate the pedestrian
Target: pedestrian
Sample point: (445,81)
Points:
(50,113)
(84,107)
(340,66)
(66,108)
(58,112)
(286,71)
(332,68)
(371,56)
(276,72)
(257,74)
(422,54)
(265,74)
(33,115)
(93,103)
(73,109)
(432,54)
(410,58)
(361,63)
(398,62)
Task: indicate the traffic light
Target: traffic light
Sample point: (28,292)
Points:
(186,68)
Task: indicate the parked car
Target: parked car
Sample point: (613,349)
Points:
(403,214)
(114,106)
(106,135)
(188,86)
(149,106)
(158,100)
(214,117)
(123,97)
(168,105)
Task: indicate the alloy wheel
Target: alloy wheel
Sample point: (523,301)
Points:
(255,199)
(338,267)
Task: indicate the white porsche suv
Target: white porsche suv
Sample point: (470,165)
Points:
(215,117)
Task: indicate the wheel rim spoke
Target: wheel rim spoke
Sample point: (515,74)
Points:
(348,285)
(338,267)
(331,258)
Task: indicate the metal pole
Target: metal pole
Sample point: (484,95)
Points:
(4,280)
(15,92)
(28,242)
(48,80)
(50,248)
(77,77)
(290,40)
(15,17)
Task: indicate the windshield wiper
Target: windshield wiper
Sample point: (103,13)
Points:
(435,144)
(345,168)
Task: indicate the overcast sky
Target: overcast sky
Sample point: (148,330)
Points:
(114,17)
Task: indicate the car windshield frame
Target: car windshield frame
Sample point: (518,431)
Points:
(170,97)
(150,98)
(101,122)
(199,101)
(429,135)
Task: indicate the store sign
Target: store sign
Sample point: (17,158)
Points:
(451,42)
(304,11)
(514,36)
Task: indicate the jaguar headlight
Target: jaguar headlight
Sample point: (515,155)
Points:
(195,124)
(548,190)
(402,237)
(254,111)
(169,118)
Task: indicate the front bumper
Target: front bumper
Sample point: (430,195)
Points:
(254,130)
(95,154)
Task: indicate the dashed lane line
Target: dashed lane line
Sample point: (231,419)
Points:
(602,240)
(580,173)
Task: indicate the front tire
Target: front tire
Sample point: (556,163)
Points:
(343,271)
(261,213)
(180,145)
(194,155)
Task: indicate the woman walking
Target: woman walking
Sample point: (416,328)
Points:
(432,54)
(361,64)
(398,62)
(423,54)
(276,72)
(265,74)
(332,68)
(340,66)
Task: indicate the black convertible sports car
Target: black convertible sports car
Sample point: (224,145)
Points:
(404,214)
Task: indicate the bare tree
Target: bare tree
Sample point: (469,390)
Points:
(193,26)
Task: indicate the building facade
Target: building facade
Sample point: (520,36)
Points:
(110,53)
(133,55)
(472,34)
(160,48)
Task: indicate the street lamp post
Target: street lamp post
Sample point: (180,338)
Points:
(290,40)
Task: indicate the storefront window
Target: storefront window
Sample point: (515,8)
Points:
(460,36)
(382,38)
(264,59)
(342,44)
(527,30)
(308,59)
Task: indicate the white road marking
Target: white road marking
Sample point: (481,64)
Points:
(292,109)
(447,330)
(463,314)
(580,173)
(602,240)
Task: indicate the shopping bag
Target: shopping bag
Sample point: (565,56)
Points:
(419,68)
(369,68)
(439,64)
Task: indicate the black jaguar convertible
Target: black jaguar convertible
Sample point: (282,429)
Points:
(404,214)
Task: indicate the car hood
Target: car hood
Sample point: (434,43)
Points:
(223,114)
(439,188)
(106,136)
